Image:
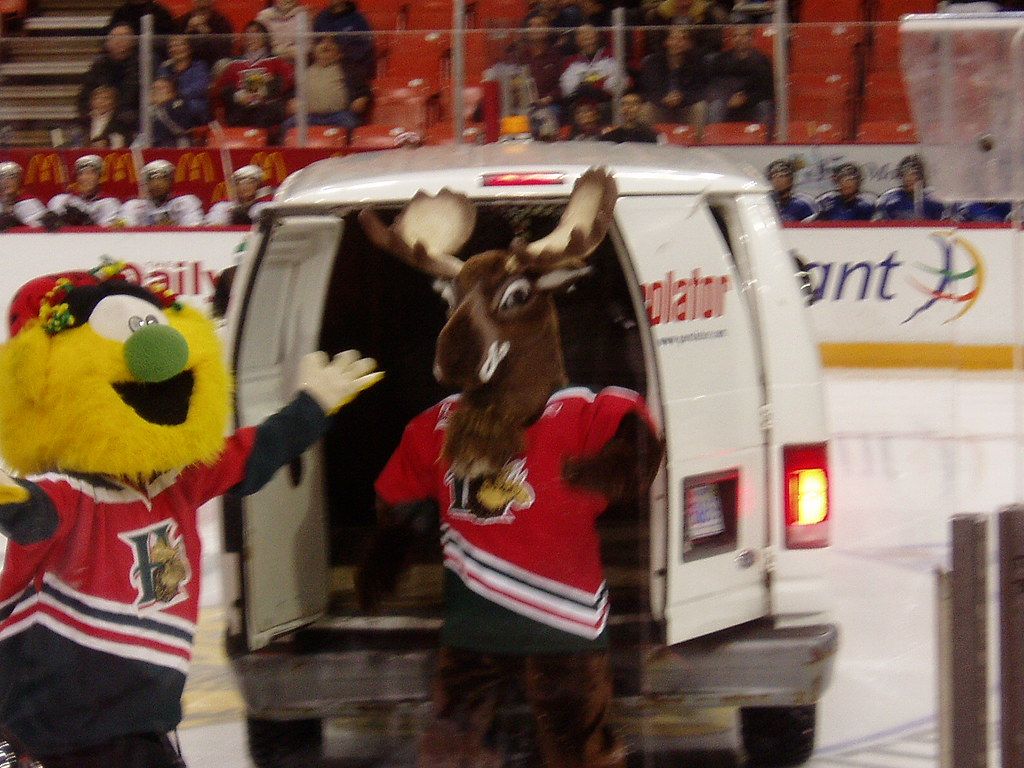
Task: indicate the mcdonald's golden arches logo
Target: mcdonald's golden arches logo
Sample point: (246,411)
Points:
(45,167)
(273,166)
(195,166)
(118,166)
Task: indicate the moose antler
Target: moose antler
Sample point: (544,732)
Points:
(427,233)
(583,225)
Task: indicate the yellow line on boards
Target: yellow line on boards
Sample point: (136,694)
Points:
(958,356)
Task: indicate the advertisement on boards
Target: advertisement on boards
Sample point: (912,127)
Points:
(186,262)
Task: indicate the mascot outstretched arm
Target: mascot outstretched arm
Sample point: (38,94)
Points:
(114,400)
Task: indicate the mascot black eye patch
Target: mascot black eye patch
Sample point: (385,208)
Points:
(83,300)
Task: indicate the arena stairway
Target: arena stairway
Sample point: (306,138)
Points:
(42,67)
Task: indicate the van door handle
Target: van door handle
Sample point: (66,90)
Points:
(746,558)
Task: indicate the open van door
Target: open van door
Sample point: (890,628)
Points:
(711,380)
(284,559)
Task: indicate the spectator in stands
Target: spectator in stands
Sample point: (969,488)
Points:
(792,206)
(593,74)
(983,211)
(249,198)
(173,121)
(911,199)
(537,54)
(84,204)
(191,78)
(586,122)
(705,17)
(333,95)
(283,19)
(254,89)
(742,88)
(673,79)
(161,207)
(117,66)
(846,202)
(631,128)
(355,38)
(210,30)
(130,12)
(18,209)
(105,127)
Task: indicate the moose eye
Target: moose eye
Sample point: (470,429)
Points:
(118,317)
(516,294)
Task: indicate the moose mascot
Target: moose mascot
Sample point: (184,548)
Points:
(114,401)
(519,467)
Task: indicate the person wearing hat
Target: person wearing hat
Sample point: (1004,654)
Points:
(250,197)
(114,403)
(792,206)
(846,202)
(18,209)
(84,204)
(912,199)
(161,208)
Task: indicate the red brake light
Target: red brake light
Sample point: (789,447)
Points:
(536,179)
(806,495)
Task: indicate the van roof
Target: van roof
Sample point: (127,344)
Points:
(397,174)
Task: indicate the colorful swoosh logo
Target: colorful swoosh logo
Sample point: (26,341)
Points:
(947,279)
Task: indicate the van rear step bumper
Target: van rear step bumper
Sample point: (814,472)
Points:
(752,665)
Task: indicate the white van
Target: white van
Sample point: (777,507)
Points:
(718,585)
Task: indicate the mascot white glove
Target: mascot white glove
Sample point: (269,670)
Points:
(333,383)
(10,491)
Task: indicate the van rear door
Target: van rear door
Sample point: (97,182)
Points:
(712,387)
(283,550)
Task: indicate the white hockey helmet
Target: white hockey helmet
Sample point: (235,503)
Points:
(249,172)
(10,168)
(89,162)
(158,168)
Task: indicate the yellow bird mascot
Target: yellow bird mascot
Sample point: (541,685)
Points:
(114,400)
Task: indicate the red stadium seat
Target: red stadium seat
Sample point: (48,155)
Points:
(318,136)
(833,10)
(735,133)
(814,132)
(409,112)
(13,7)
(237,137)
(891,10)
(441,133)
(885,97)
(679,134)
(416,55)
(886,132)
(826,48)
(371,137)
(764,40)
(885,48)
(430,14)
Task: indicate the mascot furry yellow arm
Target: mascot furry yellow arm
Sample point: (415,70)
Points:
(114,400)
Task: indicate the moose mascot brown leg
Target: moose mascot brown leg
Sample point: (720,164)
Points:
(519,467)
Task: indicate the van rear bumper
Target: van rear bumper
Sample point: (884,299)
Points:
(752,665)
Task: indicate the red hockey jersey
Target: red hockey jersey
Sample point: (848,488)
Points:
(521,548)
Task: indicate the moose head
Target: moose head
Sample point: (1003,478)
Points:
(501,345)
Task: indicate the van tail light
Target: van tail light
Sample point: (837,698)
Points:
(806,495)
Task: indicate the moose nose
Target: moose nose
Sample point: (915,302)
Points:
(459,349)
(156,353)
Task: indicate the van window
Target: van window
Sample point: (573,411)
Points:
(390,311)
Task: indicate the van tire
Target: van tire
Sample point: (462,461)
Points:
(285,743)
(774,737)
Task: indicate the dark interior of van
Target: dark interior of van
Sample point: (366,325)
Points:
(390,311)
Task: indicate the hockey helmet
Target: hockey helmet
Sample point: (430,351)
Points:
(158,168)
(89,163)
(250,173)
(10,168)
(780,166)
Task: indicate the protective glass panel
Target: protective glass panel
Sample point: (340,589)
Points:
(963,76)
